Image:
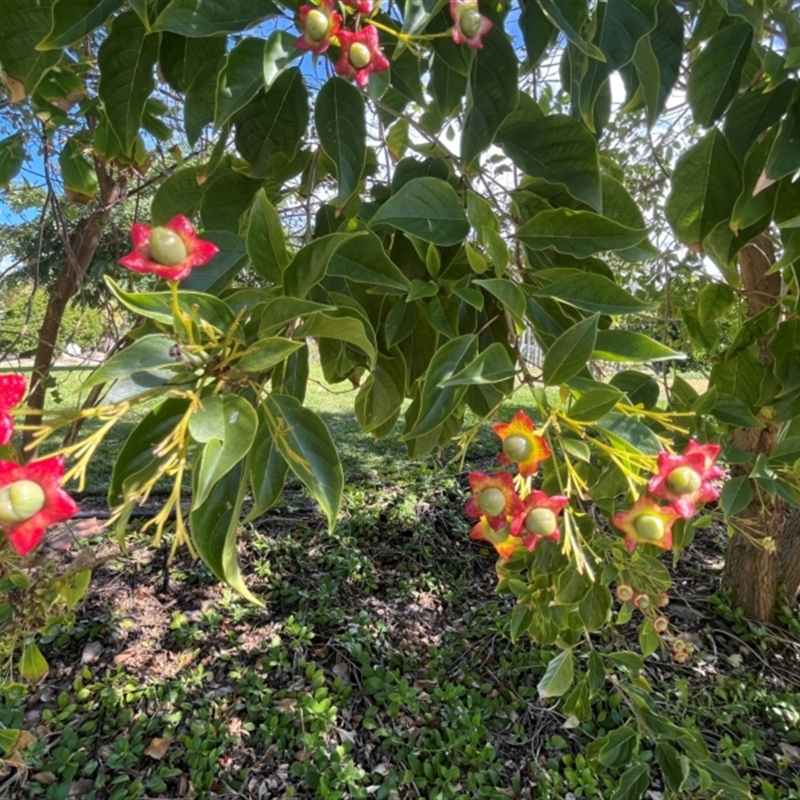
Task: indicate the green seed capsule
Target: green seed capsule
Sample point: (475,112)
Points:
(166,247)
(683,480)
(492,502)
(540,522)
(317,25)
(649,527)
(517,448)
(470,23)
(359,55)
(20,501)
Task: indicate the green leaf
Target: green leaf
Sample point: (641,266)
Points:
(785,348)
(621,346)
(8,739)
(570,18)
(310,263)
(344,325)
(491,93)
(267,470)
(157,306)
(207,17)
(147,353)
(23,24)
(592,292)
(266,353)
(508,293)
(449,70)
(75,19)
(241,78)
(12,157)
(726,780)
(594,606)
(214,528)
(715,74)
(228,194)
(126,60)
(340,119)
(570,352)
(558,677)
(217,275)
(200,104)
(181,193)
(629,434)
(305,443)
(633,783)
(705,184)
(577,233)
(416,16)
(595,403)
(674,766)
(493,365)
(226,425)
(77,172)
(137,460)
(537,30)
(32,664)
(437,404)
(181,59)
(783,158)
(269,130)
(736,495)
(428,208)
(639,386)
(266,243)
(558,149)
(363,260)
(381,395)
(649,640)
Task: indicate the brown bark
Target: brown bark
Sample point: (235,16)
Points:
(81,247)
(754,567)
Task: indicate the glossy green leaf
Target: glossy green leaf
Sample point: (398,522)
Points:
(77,172)
(591,292)
(214,528)
(595,403)
(508,293)
(558,149)
(126,60)
(381,395)
(448,77)
(266,243)
(558,676)
(629,434)
(639,386)
(594,606)
(32,664)
(570,18)
(207,17)
(715,72)
(240,79)
(674,766)
(417,14)
(428,208)
(180,59)
(147,353)
(705,184)
(577,233)
(266,469)
(363,260)
(344,325)
(12,157)
(228,195)
(570,352)
(784,157)
(752,112)
(217,275)
(156,305)
(437,404)
(493,365)
(340,119)
(785,349)
(75,19)
(282,310)
(8,739)
(622,345)
(181,193)
(23,24)
(306,445)
(633,783)
(492,93)
(310,263)
(201,98)
(266,353)
(537,30)
(726,780)
(225,425)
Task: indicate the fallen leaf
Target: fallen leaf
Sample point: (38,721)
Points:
(23,740)
(790,752)
(157,748)
(287,705)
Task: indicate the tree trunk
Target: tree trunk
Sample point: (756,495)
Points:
(764,550)
(81,247)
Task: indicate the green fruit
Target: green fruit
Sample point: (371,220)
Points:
(649,527)
(517,448)
(470,22)
(317,25)
(166,247)
(540,522)
(492,502)
(684,480)
(20,501)
(360,55)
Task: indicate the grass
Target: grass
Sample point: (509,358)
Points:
(380,665)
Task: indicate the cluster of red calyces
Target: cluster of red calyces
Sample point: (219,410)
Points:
(685,482)
(31,497)
(505,519)
(322,26)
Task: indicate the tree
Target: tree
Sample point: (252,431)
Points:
(347,197)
